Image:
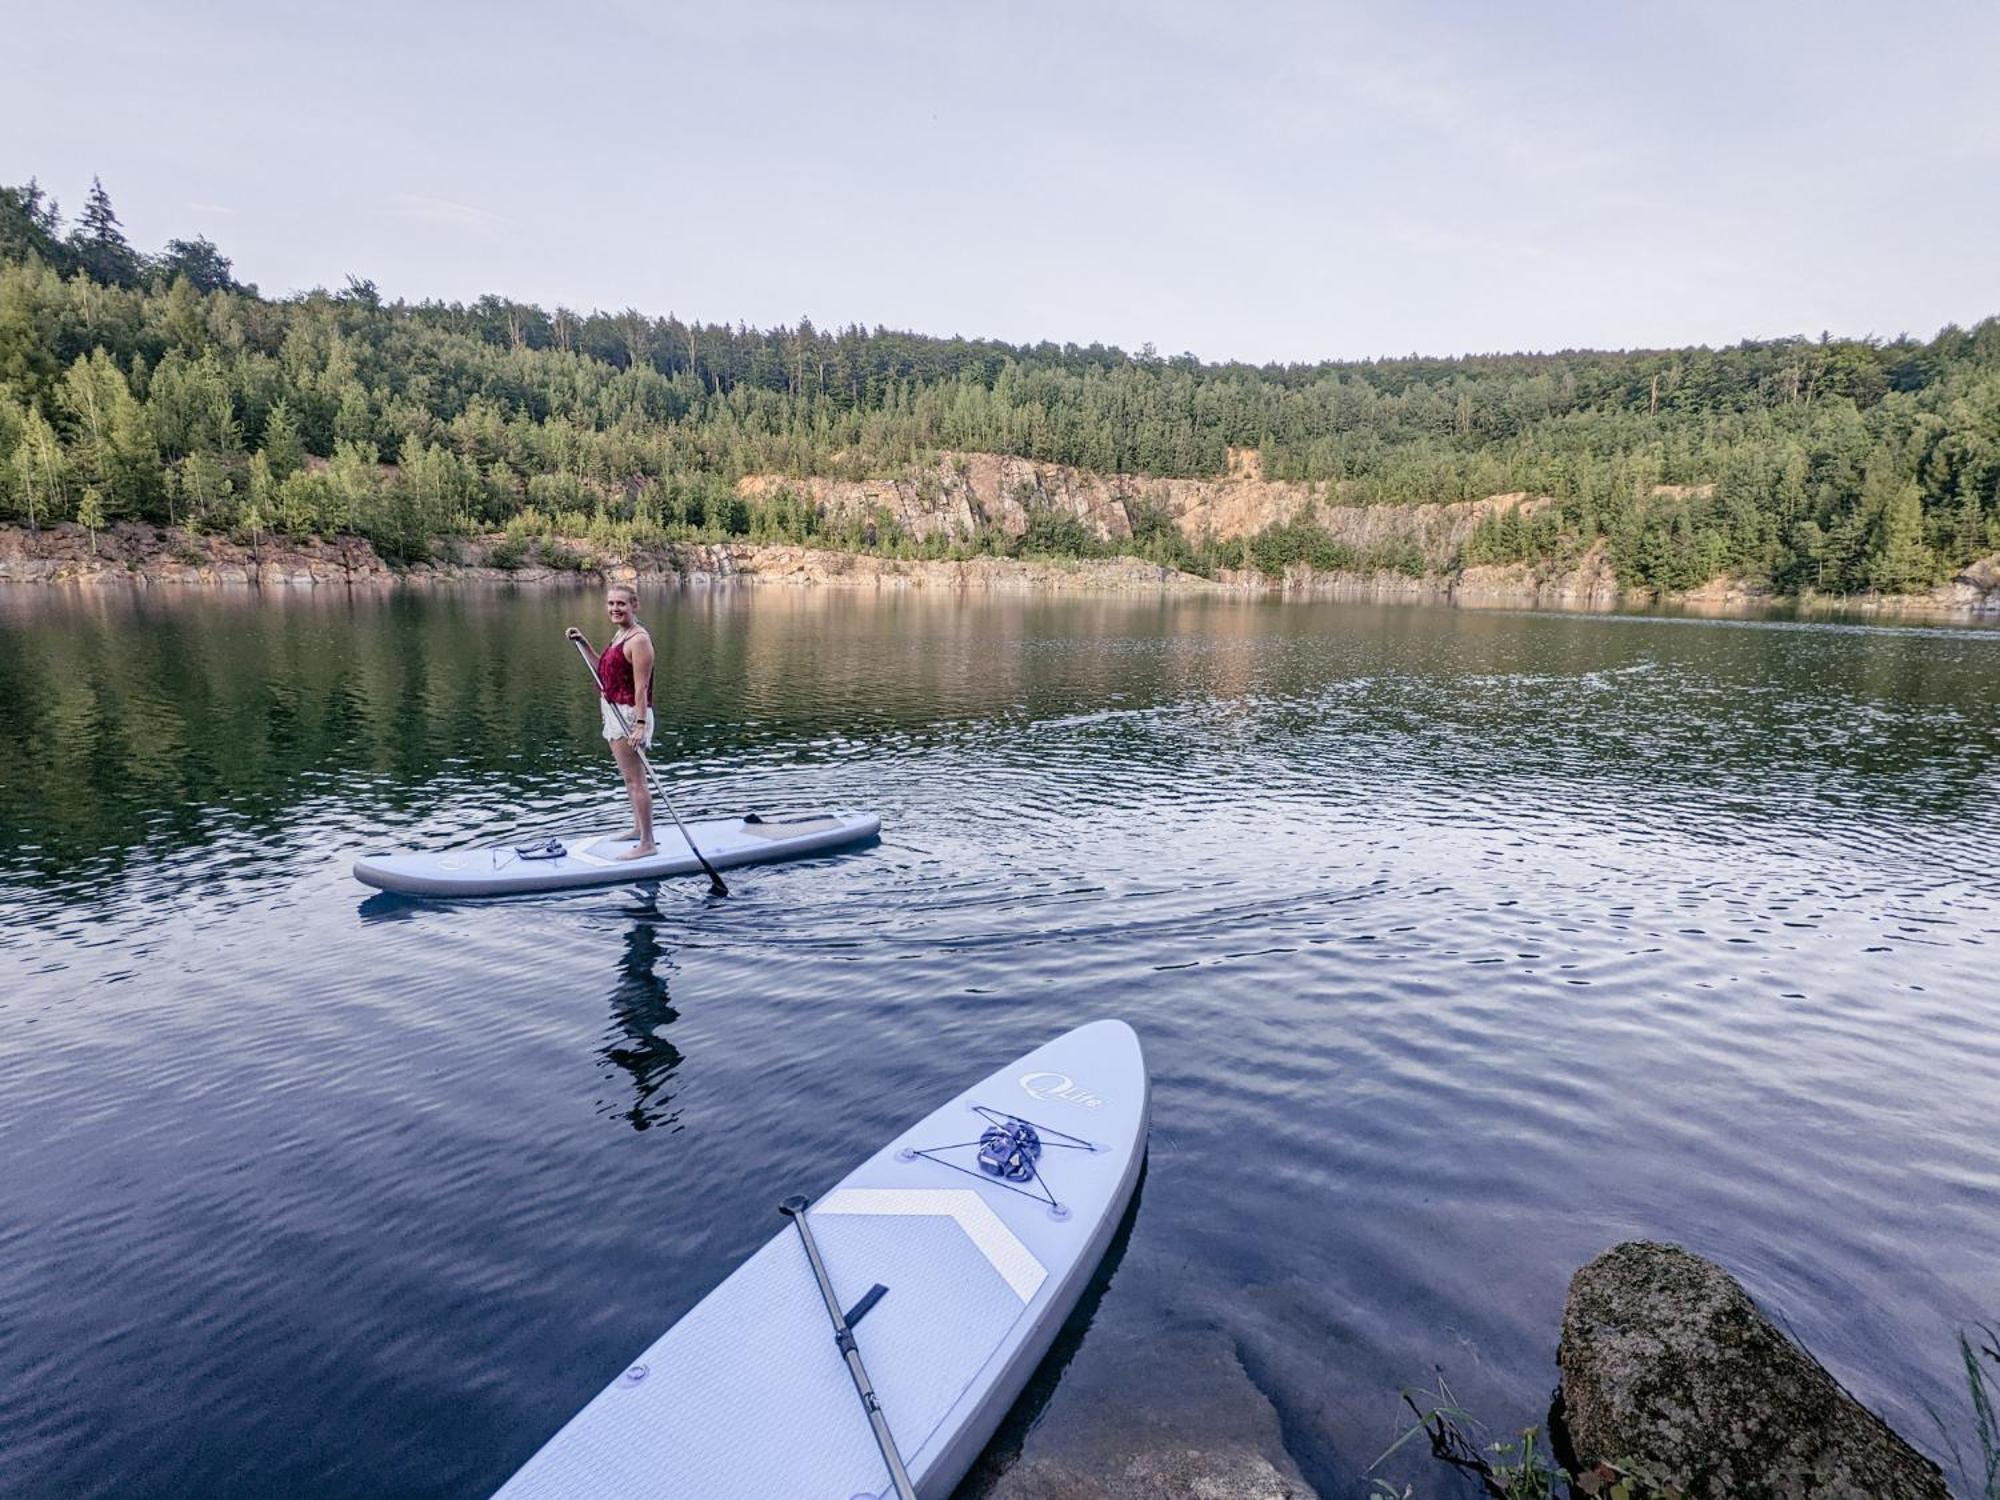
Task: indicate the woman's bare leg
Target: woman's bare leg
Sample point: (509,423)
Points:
(634,773)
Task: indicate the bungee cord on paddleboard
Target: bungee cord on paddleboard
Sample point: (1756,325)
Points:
(1009,1155)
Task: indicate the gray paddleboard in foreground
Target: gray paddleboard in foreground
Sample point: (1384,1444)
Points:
(747,1397)
(592,859)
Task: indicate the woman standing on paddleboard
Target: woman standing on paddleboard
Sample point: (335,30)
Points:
(625,683)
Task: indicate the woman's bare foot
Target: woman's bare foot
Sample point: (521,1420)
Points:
(641,851)
(627,836)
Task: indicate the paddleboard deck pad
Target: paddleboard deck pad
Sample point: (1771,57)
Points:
(593,859)
(955,1281)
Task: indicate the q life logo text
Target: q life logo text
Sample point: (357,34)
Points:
(1053,1086)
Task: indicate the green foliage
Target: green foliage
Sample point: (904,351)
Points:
(1514,534)
(41,471)
(1669,547)
(566,559)
(1828,464)
(1522,1467)
(1301,540)
(1508,1469)
(282,448)
(1898,560)
(90,516)
(1624,1480)
(205,268)
(1405,556)
(1156,538)
(1053,533)
(31,226)
(1978,1348)
(1985,1424)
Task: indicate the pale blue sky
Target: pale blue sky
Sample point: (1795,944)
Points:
(1245,180)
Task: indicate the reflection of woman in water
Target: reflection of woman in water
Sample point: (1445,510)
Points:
(640,1015)
(625,682)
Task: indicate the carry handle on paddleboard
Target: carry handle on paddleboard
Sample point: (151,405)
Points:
(794,1208)
(714,880)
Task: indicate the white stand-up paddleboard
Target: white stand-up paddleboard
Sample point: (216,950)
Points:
(749,1398)
(593,859)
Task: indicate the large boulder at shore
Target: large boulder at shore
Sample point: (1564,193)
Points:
(1668,1364)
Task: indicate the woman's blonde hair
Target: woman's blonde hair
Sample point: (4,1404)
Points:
(630,591)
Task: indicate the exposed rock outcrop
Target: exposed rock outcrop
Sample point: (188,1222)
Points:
(1667,1362)
(152,554)
(963,494)
(814,566)
(134,553)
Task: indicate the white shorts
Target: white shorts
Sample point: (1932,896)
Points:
(613,730)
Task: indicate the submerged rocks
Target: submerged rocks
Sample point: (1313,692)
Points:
(1667,1363)
(1169,1473)
(1152,1415)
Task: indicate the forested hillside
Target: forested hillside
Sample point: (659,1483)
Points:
(158,387)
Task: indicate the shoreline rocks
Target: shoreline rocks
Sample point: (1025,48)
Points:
(1668,1364)
(131,553)
(1202,1432)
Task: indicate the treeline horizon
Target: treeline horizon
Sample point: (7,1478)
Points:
(160,388)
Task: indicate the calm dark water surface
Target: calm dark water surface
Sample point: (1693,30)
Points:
(1463,946)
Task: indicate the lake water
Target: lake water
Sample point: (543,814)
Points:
(1463,946)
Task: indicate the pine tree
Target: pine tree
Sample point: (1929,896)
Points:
(133,465)
(282,448)
(1898,560)
(1968,530)
(98,242)
(354,420)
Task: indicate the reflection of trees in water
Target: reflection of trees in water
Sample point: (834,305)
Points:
(245,703)
(215,710)
(636,1042)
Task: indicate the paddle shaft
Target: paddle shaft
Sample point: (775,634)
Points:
(625,723)
(795,1210)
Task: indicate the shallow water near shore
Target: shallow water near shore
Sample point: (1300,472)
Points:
(1463,946)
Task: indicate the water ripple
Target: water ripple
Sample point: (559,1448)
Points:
(1462,945)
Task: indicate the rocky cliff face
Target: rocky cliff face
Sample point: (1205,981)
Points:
(1585,582)
(963,494)
(140,554)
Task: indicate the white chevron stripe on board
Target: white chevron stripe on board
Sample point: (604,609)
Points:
(1012,1259)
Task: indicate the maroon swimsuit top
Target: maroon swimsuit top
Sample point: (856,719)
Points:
(614,676)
